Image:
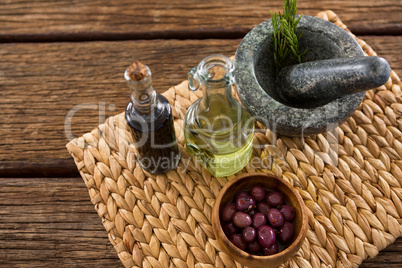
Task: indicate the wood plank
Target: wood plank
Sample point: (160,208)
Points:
(387,47)
(125,19)
(51,222)
(40,86)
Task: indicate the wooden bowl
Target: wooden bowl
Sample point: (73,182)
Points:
(245,182)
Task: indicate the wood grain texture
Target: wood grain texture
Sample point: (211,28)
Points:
(39,87)
(105,20)
(51,222)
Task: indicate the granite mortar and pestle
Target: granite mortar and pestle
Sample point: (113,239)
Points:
(310,97)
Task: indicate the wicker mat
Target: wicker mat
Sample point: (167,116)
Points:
(350,179)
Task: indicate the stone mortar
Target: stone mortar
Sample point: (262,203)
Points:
(255,83)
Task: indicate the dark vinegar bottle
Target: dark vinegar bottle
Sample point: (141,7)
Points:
(149,116)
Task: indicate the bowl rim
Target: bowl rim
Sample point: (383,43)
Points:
(217,227)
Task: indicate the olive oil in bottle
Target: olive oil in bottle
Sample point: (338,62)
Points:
(149,116)
(218,131)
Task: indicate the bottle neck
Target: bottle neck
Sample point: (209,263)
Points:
(216,93)
(143,95)
(214,74)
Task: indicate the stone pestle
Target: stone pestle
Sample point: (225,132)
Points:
(312,84)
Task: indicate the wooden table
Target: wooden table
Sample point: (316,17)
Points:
(57,55)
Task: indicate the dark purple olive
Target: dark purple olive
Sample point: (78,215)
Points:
(275,199)
(238,241)
(271,250)
(245,202)
(257,193)
(266,236)
(286,232)
(259,219)
(249,234)
(241,219)
(288,212)
(275,217)
(263,208)
(229,228)
(228,211)
(254,247)
(240,193)
(252,213)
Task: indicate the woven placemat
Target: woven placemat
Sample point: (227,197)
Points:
(350,179)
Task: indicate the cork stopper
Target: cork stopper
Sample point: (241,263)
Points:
(137,71)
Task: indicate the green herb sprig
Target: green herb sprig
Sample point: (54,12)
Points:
(285,42)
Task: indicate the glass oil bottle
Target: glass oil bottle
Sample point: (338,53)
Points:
(218,131)
(149,116)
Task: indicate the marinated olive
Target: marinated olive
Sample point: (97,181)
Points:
(245,202)
(259,219)
(263,208)
(271,250)
(266,236)
(241,219)
(275,217)
(228,211)
(230,228)
(249,234)
(258,193)
(238,241)
(288,212)
(286,232)
(275,199)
